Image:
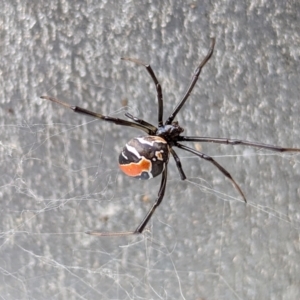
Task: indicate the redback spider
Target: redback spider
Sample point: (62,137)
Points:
(147,156)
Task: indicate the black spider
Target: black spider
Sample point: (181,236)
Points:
(148,156)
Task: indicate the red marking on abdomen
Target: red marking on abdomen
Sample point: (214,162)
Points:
(136,169)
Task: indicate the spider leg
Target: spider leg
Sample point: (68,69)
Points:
(235,142)
(157,86)
(211,160)
(159,199)
(84,111)
(178,164)
(145,221)
(142,122)
(193,82)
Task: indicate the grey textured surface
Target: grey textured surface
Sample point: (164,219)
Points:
(59,173)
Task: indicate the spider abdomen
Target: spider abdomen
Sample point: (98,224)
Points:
(144,157)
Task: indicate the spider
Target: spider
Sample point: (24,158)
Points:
(147,156)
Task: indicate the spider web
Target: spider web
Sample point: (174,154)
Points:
(59,169)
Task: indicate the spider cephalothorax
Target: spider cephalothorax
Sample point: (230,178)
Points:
(170,132)
(148,156)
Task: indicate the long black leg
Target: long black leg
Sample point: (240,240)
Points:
(235,142)
(159,199)
(84,111)
(157,86)
(193,82)
(178,164)
(142,122)
(145,221)
(211,160)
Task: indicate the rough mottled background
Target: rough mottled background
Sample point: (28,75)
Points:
(59,174)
